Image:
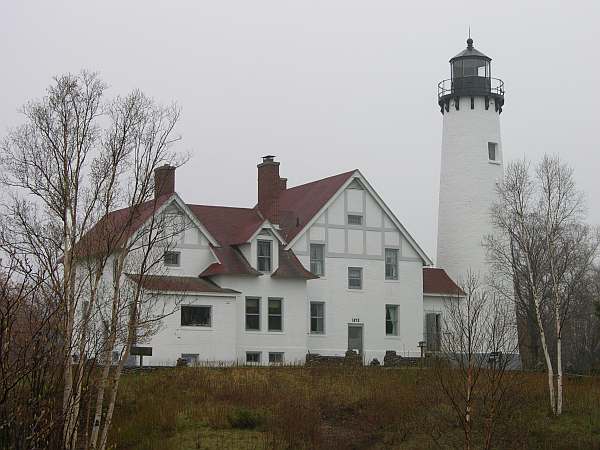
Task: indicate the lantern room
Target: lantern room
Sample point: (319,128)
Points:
(471,75)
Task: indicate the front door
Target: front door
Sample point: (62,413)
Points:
(355,338)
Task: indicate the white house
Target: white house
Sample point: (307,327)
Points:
(322,268)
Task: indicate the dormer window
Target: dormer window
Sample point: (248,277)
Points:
(264,256)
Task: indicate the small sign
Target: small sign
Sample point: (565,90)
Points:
(140,351)
(355,319)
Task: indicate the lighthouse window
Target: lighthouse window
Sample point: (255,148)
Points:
(492,151)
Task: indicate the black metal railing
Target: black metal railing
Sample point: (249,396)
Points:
(473,85)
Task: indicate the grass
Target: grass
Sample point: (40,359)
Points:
(334,408)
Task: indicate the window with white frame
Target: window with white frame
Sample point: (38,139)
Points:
(317,317)
(172,259)
(196,316)
(264,256)
(391,320)
(191,358)
(492,151)
(275,314)
(391,263)
(317,259)
(275,357)
(355,219)
(253,313)
(355,277)
(252,357)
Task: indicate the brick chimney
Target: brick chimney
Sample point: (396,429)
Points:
(164,180)
(282,184)
(269,186)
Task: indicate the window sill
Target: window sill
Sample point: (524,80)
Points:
(264,333)
(192,328)
(391,281)
(317,334)
(393,337)
(357,291)
(496,163)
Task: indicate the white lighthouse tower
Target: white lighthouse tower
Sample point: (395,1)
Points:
(471,102)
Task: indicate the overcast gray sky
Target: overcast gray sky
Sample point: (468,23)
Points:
(327,85)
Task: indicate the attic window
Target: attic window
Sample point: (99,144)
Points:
(171,259)
(355,219)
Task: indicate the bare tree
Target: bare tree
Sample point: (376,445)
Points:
(74,161)
(544,251)
(471,370)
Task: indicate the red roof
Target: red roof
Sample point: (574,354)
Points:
(112,231)
(228,225)
(179,284)
(298,205)
(231,262)
(291,267)
(437,281)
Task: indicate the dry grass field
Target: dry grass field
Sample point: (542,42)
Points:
(336,408)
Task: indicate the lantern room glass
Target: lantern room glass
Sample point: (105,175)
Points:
(471,67)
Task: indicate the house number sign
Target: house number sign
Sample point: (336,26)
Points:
(355,319)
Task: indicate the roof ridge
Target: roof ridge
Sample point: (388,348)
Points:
(321,179)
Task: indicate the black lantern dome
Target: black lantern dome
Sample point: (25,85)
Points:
(471,76)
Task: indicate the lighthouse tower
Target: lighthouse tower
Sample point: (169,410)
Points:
(471,102)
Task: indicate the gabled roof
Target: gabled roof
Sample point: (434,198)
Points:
(114,229)
(179,284)
(437,282)
(229,226)
(298,205)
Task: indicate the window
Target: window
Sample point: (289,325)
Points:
(191,358)
(252,313)
(275,314)
(433,331)
(264,256)
(492,151)
(391,320)
(275,358)
(354,277)
(391,263)
(196,316)
(317,318)
(171,258)
(355,219)
(317,259)
(252,357)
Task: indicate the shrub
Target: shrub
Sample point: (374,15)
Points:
(245,419)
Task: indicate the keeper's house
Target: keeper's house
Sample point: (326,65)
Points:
(322,268)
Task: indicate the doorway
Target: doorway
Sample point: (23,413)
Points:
(355,337)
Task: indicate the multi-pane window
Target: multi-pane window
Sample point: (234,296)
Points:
(355,219)
(264,256)
(171,258)
(317,259)
(252,313)
(253,357)
(275,314)
(492,151)
(196,316)
(391,263)
(355,278)
(275,357)
(391,320)
(317,317)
